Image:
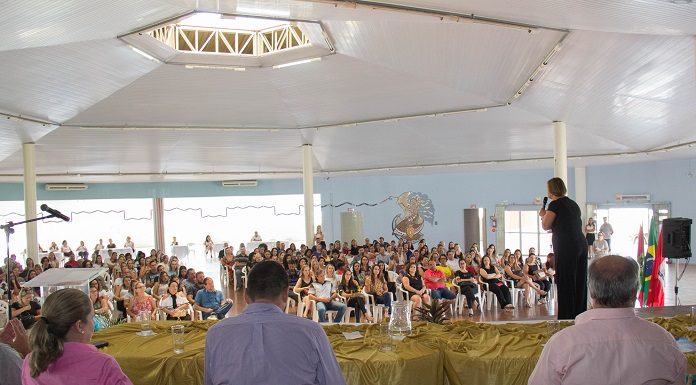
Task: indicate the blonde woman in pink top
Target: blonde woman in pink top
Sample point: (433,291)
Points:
(59,341)
(141,301)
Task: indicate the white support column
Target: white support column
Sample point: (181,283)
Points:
(581,191)
(560,151)
(158,222)
(29,153)
(308,187)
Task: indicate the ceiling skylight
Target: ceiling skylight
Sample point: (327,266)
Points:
(212,33)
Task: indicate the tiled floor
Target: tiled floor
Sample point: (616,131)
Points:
(687,297)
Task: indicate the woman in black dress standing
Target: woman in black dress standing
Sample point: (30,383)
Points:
(590,230)
(563,218)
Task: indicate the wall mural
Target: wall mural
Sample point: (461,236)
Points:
(417,209)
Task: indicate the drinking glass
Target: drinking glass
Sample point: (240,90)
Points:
(386,344)
(178,338)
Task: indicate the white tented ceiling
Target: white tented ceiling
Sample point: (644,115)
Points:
(422,86)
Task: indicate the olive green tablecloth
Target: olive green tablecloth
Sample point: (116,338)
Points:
(463,352)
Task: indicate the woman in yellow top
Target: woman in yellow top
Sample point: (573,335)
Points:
(446,270)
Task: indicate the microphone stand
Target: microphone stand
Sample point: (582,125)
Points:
(9,229)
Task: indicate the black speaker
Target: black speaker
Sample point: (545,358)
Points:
(676,238)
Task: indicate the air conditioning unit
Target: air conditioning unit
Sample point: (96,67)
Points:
(633,197)
(239,183)
(65,186)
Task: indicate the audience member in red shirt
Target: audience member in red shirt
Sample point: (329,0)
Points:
(435,281)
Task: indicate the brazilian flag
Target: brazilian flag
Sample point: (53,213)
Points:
(648,263)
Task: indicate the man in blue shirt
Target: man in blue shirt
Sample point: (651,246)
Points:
(210,301)
(263,345)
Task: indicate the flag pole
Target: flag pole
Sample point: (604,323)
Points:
(676,284)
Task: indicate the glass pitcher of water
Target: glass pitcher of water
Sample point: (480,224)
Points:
(400,321)
(144,319)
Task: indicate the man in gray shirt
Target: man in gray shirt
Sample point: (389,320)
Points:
(607,230)
(383,256)
(263,345)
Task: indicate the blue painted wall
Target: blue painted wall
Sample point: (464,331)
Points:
(450,193)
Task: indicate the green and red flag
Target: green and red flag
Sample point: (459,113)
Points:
(652,283)
(640,257)
(656,293)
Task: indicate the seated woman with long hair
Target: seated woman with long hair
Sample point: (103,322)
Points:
(491,276)
(159,289)
(174,304)
(413,283)
(358,274)
(122,294)
(349,289)
(514,271)
(468,286)
(538,276)
(25,309)
(60,348)
(376,285)
(302,288)
(102,313)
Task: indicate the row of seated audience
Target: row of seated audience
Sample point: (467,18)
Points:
(145,283)
(154,283)
(439,273)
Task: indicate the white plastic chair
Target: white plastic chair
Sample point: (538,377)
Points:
(330,314)
(489,295)
(4,313)
(460,302)
(245,271)
(224,275)
(515,292)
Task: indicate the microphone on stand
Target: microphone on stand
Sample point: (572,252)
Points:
(54,212)
(543,206)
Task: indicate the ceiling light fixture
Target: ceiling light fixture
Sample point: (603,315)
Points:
(539,69)
(294,63)
(215,67)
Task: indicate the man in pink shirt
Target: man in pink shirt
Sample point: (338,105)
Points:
(608,344)
(435,281)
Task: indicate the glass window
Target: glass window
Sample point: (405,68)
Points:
(234,219)
(544,244)
(512,221)
(512,240)
(529,240)
(529,221)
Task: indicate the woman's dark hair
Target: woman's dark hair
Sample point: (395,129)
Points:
(267,280)
(408,267)
(347,284)
(59,313)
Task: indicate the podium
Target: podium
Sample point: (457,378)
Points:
(55,279)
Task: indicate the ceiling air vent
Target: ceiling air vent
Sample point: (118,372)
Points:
(633,197)
(239,183)
(65,186)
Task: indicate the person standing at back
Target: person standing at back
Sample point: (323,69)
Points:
(607,230)
(563,217)
(263,345)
